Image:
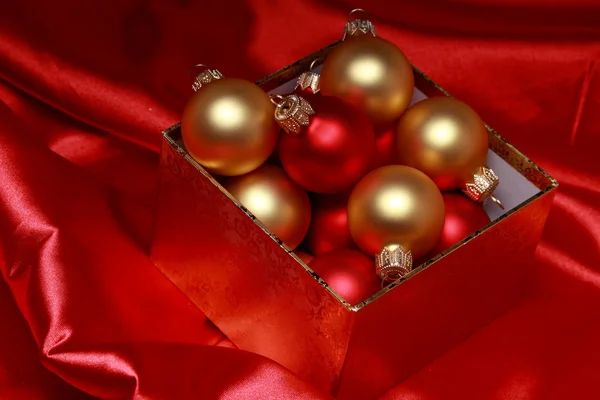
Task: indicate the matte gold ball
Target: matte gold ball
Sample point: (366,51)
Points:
(396,205)
(444,138)
(228,127)
(277,201)
(371,73)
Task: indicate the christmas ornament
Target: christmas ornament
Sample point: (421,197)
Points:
(308,83)
(369,72)
(275,200)
(329,225)
(307,258)
(385,153)
(227,126)
(328,144)
(446,139)
(463,218)
(397,213)
(349,273)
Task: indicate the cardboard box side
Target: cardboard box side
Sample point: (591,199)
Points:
(244,281)
(443,304)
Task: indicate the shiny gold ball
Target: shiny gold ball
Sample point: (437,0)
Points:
(277,201)
(444,138)
(228,126)
(371,73)
(396,205)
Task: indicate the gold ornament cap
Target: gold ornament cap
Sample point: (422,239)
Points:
(482,186)
(292,112)
(358,27)
(393,263)
(309,80)
(203,77)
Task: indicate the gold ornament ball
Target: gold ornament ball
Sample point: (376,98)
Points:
(444,138)
(228,126)
(396,205)
(371,73)
(277,201)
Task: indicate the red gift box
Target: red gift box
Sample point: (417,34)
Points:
(266,300)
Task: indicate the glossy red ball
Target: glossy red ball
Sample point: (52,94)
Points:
(333,152)
(349,272)
(463,218)
(329,225)
(384,150)
(307,258)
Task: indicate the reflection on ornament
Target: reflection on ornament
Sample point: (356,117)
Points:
(227,126)
(349,273)
(275,200)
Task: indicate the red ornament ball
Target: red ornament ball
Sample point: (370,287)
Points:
(384,150)
(329,225)
(333,152)
(307,258)
(463,218)
(349,272)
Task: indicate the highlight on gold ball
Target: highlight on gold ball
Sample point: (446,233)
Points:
(227,124)
(275,200)
(448,141)
(397,213)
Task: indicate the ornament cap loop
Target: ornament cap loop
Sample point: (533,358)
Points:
(482,185)
(498,202)
(276,96)
(202,75)
(312,64)
(393,263)
(354,11)
(292,113)
(358,27)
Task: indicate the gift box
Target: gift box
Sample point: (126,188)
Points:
(268,301)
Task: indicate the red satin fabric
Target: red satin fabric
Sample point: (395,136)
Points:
(87,87)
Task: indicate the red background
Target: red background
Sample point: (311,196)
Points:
(86,89)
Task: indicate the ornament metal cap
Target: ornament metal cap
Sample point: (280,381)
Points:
(481,187)
(292,112)
(358,26)
(203,77)
(309,79)
(393,263)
